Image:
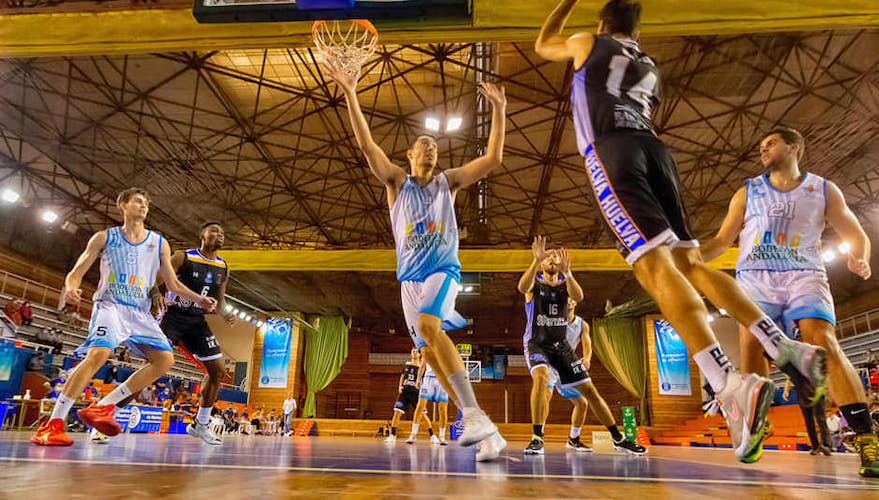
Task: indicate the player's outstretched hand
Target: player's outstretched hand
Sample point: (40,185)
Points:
(208,304)
(159,304)
(337,73)
(73,296)
(564,260)
(496,94)
(859,266)
(538,246)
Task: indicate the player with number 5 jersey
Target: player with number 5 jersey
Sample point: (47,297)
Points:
(131,257)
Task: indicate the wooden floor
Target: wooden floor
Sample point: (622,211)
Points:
(178,466)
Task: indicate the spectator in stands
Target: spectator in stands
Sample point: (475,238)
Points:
(90,392)
(13,312)
(872,361)
(256,421)
(112,375)
(27,314)
(148,395)
(289,408)
(37,363)
(230,420)
(874,379)
(835,427)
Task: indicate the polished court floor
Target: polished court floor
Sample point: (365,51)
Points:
(178,466)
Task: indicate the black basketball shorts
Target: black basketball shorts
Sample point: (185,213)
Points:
(559,356)
(637,189)
(192,333)
(408,398)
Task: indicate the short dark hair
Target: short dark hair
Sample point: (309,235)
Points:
(419,136)
(621,16)
(207,224)
(790,136)
(126,195)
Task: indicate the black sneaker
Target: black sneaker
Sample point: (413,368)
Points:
(576,445)
(535,447)
(629,447)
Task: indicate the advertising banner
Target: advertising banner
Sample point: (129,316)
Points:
(673,369)
(275,352)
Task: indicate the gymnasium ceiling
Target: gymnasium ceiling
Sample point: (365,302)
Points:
(259,140)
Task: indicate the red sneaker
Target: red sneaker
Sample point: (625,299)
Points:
(51,433)
(101,418)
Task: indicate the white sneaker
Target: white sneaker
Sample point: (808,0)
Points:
(490,448)
(434,439)
(744,402)
(806,365)
(411,440)
(391,439)
(203,431)
(477,427)
(97,437)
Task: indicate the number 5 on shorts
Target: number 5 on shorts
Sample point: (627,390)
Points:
(100,331)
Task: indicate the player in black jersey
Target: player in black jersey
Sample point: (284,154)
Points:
(635,182)
(546,345)
(410,382)
(184,322)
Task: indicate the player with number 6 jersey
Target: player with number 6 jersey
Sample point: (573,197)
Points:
(203,272)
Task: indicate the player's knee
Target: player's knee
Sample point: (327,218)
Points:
(97,356)
(429,327)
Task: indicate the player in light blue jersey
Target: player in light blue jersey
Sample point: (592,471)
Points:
(131,256)
(426,236)
(779,218)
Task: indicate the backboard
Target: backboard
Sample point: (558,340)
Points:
(252,11)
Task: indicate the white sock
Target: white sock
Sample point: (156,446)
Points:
(118,394)
(575,432)
(62,407)
(714,364)
(204,415)
(414,429)
(460,383)
(769,334)
(442,433)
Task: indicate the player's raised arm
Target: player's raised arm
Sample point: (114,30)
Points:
(381,166)
(169,276)
(729,229)
(526,282)
(72,292)
(552,45)
(575,291)
(846,224)
(475,170)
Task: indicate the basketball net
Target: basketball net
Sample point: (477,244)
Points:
(349,43)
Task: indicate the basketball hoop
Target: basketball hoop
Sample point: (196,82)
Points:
(347,42)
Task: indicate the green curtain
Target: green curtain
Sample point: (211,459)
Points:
(619,344)
(326,350)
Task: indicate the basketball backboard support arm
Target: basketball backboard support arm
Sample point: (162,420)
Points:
(255,11)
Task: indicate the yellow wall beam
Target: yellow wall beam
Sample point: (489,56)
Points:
(175,29)
(496,261)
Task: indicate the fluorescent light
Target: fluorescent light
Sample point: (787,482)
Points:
(828,255)
(228,307)
(454,123)
(10,196)
(844,247)
(242,314)
(432,123)
(711,318)
(722,312)
(248,317)
(49,216)
(259,323)
(468,288)
(235,311)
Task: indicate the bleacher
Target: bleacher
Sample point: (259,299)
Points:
(43,299)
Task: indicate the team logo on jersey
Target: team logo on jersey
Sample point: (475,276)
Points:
(150,246)
(209,278)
